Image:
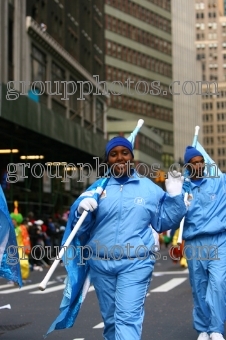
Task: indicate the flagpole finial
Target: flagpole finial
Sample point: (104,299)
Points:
(197,130)
(140,123)
(133,135)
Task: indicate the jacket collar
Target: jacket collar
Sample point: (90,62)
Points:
(198,182)
(134,177)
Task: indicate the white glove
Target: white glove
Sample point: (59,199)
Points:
(88,204)
(174,183)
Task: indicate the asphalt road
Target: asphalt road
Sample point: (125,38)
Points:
(168,308)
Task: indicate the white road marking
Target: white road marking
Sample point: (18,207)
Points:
(169,285)
(170,273)
(100,325)
(18,290)
(49,290)
(8,285)
(163,288)
(56,288)
(6,307)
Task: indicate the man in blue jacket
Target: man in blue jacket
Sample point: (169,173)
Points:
(205,247)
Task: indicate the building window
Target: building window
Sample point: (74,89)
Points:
(221,139)
(208,129)
(142,13)
(207,118)
(167,160)
(222,163)
(74,103)
(221,151)
(208,140)
(210,152)
(38,65)
(221,117)
(99,115)
(135,106)
(137,58)
(57,77)
(138,35)
(165,4)
(149,146)
(87,109)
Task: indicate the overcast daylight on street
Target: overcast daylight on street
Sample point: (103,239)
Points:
(112,169)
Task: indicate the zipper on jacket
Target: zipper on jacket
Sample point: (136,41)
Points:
(120,213)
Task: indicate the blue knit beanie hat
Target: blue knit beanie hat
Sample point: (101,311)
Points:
(118,141)
(191,152)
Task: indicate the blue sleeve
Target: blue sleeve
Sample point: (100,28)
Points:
(170,212)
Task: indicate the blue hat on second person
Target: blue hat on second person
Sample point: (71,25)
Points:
(118,141)
(191,152)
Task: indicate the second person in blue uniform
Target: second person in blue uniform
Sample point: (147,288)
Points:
(205,247)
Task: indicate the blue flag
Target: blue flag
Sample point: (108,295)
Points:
(9,258)
(77,282)
(211,166)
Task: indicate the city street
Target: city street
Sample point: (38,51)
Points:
(168,307)
(115,110)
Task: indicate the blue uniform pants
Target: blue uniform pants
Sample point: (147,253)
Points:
(121,288)
(206,257)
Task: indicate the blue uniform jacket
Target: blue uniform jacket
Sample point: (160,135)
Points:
(207,212)
(121,223)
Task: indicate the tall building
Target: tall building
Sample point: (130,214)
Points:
(138,61)
(209,39)
(211,51)
(187,105)
(47,48)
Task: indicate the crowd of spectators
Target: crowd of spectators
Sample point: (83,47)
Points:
(45,238)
